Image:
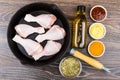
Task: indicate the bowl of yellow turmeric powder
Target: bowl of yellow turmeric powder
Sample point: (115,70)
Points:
(96,48)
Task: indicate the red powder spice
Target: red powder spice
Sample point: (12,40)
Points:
(98,13)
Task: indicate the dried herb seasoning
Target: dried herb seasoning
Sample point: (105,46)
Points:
(70,67)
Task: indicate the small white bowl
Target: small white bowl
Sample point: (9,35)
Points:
(102,8)
(98,24)
(68,69)
(102,52)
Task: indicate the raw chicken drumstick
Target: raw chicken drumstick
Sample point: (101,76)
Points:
(55,33)
(24,30)
(50,48)
(29,45)
(45,20)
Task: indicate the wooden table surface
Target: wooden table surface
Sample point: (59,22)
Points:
(12,69)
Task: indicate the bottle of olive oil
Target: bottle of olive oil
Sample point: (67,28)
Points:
(79,28)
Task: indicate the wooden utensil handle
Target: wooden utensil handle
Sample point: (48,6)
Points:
(86,59)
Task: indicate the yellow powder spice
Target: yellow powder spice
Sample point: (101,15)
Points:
(96,48)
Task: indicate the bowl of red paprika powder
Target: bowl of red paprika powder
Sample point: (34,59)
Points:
(98,13)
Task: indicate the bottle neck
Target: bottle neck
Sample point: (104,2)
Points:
(80,13)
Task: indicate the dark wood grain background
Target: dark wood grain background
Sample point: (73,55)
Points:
(12,69)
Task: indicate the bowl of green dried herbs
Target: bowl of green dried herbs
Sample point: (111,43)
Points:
(70,67)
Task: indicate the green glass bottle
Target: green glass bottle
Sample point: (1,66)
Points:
(79,28)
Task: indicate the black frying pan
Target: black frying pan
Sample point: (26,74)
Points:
(37,9)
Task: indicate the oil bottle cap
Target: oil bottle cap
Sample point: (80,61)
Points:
(81,8)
